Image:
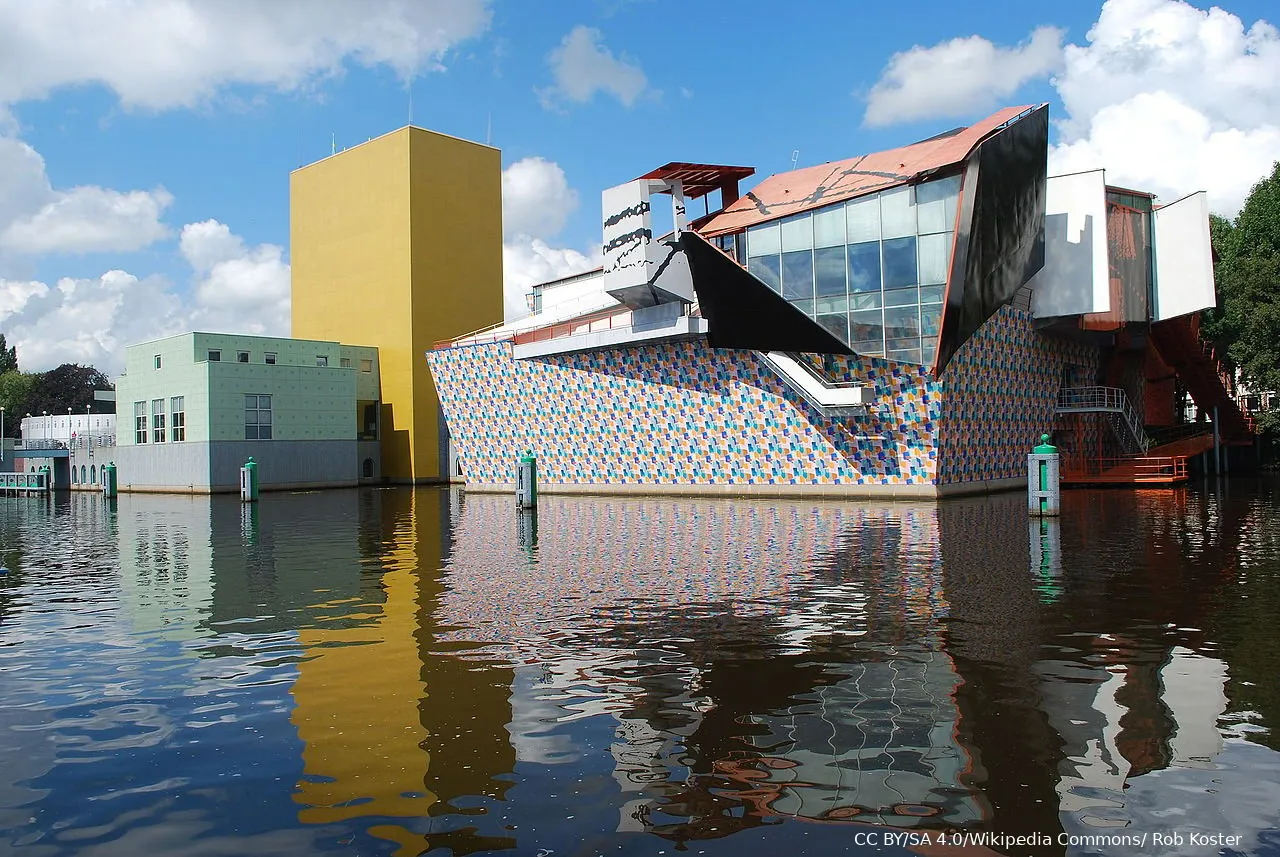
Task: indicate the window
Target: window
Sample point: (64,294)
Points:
(157,420)
(345,362)
(93,474)
(157,361)
(322,360)
(872,270)
(257,417)
(366,366)
(269,357)
(178,410)
(215,356)
(139,422)
(242,356)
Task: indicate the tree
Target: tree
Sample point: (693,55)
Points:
(69,386)
(15,393)
(1246,324)
(8,356)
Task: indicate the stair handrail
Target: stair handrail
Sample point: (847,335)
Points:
(827,397)
(1104,399)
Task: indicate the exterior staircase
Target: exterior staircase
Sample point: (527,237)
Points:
(1125,420)
(1140,464)
(1207,380)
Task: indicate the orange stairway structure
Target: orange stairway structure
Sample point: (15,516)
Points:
(1150,470)
(1211,386)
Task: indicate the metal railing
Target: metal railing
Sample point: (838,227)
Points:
(1166,468)
(1082,400)
(24,482)
(789,364)
(588,324)
(40,443)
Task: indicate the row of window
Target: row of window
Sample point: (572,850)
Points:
(86,477)
(215,356)
(171,426)
(270,357)
(168,425)
(872,270)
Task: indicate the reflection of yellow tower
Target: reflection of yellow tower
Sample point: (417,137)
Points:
(358,690)
(398,243)
(392,727)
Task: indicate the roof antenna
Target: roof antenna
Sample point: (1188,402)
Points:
(795,156)
(488,130)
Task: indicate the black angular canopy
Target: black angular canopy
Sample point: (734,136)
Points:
(743,312)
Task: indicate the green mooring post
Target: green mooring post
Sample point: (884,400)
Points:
(527,481)
(249,481)
(47,472)
(109,485)
(1042,479)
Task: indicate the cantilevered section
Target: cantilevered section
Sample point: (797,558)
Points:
(743,312)
(902,254)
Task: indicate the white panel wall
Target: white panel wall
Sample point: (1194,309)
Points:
(1074,279)
(635,263)
(1184,258)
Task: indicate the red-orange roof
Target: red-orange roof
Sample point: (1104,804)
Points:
(813,187)
(700,179)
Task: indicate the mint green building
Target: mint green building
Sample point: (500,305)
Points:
(191,409)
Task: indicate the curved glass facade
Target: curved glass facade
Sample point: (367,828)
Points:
(872,270)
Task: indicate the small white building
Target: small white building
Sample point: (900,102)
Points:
(65,427)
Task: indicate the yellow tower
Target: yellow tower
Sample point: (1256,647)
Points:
(398,243)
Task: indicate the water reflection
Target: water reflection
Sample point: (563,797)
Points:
(398,672)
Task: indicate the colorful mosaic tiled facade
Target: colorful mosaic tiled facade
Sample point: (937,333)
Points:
(682,413)
(998,397)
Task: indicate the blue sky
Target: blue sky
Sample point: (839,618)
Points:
(166,130)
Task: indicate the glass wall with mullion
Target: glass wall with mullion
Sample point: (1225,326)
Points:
(872,270)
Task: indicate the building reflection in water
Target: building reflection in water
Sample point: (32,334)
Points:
(753,669)
(897,665)
(343,583)
(736,664)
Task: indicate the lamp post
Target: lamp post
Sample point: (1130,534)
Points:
(1,435)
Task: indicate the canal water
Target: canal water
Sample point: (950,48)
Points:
(400,672)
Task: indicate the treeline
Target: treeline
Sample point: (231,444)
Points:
(68,386)
(1246,324)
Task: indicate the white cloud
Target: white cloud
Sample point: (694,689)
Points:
(582,66)
(90,220)
(959,77)
(86,321)
(177,53)
(35,219)
(536,203)
(536,198)
(525,263)
(236,289)
(1172,99)
(1155,142)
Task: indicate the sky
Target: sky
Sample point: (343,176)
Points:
(146,145)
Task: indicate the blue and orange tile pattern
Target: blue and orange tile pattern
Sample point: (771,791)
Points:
(683,413)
